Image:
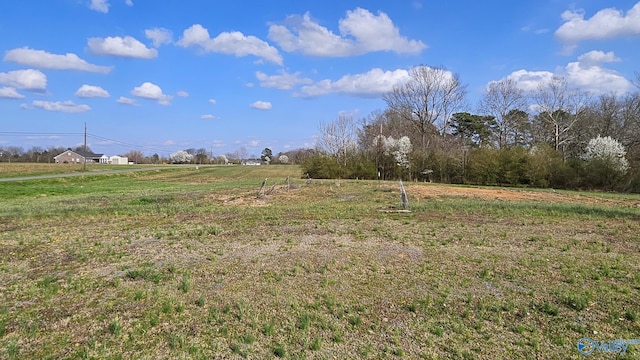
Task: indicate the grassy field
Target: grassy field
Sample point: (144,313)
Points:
(185,263)
(8,170)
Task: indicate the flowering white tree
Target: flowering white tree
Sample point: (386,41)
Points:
(399,149)
(180,157)
(609,150)
(284,159)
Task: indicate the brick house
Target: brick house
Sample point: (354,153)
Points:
(77,157)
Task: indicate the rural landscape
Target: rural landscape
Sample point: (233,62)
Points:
(319,180)
(179,261)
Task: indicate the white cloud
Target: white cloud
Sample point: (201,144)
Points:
(213,101)
(596,79)
(530,80)
(605,24)
(90,91)
(182,93)
(230,43)
(360,32)
(598,57)
(586,74)
(29,79)
(126,101)
(151,91)
(261,105)
(100,5)
(43,59)
(159,36)
(128,2)
(207,117)
(62,106)
(10,93)
(370,84)
(121,46)
(535,31)
(284,81)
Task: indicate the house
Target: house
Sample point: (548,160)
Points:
(251,162)
(77,157)
(118,160)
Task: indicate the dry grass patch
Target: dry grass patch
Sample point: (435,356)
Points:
(426,191)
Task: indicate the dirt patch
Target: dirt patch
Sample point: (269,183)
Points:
(246,200)
(518,195)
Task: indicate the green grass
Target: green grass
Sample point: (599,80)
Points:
(185,263)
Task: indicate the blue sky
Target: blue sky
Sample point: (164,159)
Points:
(161,76)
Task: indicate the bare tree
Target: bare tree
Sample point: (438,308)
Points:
(201,156)
(35,153)
(428,99)
(135,156)
(338,138)
(387,123)
(630,118)
(297,156)
(501,98)
(13,153)
(560,108)
(243,153)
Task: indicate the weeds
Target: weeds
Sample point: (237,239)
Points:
(550,309)
(268,329)
(316,344)
(304,321)
(115,327)
(185,283)
(279,350)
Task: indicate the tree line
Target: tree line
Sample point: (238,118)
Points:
(554,136)
(37,154)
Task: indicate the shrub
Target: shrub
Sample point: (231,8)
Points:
(322,167)
(512,166)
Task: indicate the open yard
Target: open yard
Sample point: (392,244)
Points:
(195,263)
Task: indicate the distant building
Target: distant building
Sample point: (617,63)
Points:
(251,162)
(77,157)
(118,160)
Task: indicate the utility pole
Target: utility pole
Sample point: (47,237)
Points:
(84,164)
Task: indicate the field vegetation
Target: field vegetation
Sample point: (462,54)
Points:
(180,262)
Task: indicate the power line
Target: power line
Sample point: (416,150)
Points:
(118,142)
(24,133)
(92,136)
